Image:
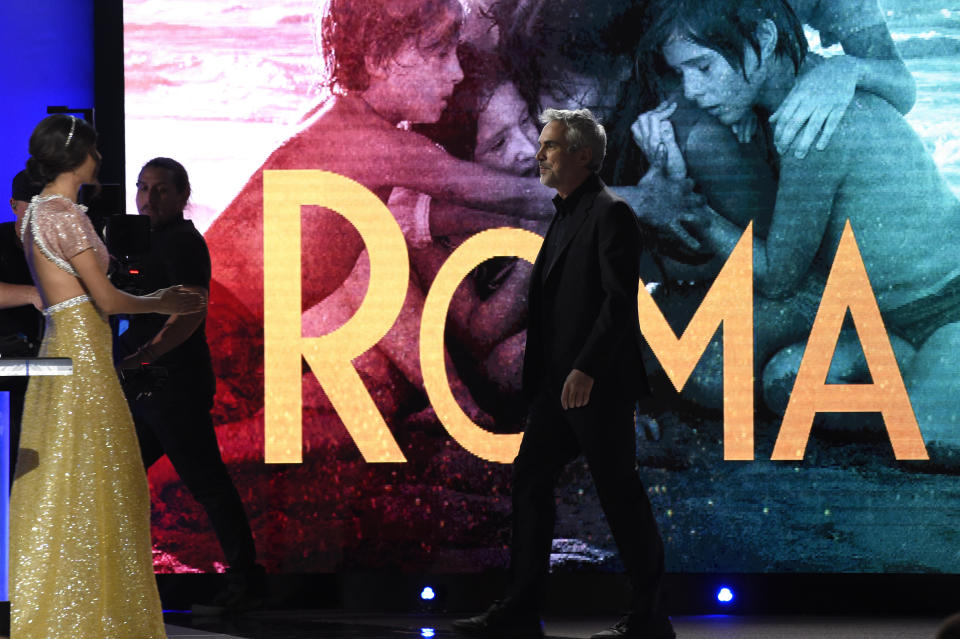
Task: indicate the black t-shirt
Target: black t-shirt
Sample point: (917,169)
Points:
(24,320)
(178,255)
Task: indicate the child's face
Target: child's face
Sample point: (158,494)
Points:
(710,81)
(421,77)
(506,135)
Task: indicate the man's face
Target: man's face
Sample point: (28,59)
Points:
(560,169)
(710,81)
(420,79)
(157,196)
(506,135)
(19,208)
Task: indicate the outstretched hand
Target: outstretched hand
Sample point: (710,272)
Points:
(179,300)
(814,107)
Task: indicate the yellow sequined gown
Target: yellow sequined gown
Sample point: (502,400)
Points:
(80,551)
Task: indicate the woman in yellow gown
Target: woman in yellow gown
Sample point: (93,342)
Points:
(80,550)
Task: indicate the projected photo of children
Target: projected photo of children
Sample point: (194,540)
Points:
(431,106)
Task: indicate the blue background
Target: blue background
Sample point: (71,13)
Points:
(47,61)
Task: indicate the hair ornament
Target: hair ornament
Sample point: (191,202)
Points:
(73,127)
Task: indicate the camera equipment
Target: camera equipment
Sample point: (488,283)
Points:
(18,345)
(127,238)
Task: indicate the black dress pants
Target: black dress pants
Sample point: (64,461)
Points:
(175,421)
(17,387)
(602,431)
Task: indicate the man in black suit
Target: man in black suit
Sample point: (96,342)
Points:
(582,374)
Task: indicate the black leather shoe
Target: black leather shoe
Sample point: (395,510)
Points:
(631,628)
(244,591)
(501,621)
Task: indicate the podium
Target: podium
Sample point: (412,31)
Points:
(25,367)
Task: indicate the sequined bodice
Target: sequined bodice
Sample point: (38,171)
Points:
(61,230)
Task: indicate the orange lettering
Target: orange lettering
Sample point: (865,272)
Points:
(730,302)
(284,192)
(848,287)
(484,245)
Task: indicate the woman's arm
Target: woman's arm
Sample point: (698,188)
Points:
(882,70)
(174,332)
(175,300)
(816,104)
(448,219)
(408,159)
(803,208)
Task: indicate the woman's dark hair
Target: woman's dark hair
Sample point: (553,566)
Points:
(727,27)
(349,31)
(543,41)
(60,143)
(181,181)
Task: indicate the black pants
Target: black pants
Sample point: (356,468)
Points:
(603,431)
(17,387)
(175,421)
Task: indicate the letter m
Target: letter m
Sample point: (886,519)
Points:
(728,302)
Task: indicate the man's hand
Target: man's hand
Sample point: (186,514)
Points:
(576,390)
(653,132)
(816,104)
(35,299)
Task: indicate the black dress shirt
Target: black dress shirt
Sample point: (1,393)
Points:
(565,209)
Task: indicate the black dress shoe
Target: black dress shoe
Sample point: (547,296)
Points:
(631,628)
(501,621)
(243,591)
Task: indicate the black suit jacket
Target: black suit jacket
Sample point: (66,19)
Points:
(583,306)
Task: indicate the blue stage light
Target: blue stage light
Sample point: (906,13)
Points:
(428,632)
(725,595)
(427,594)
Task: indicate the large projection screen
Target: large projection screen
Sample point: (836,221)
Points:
(378,434)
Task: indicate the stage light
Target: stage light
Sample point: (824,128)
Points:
(432,599)
(428,632)
(725,595)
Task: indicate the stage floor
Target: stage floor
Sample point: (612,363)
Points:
(327,624)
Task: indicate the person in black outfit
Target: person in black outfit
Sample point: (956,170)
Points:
(169,377)
(21,324)
(950,628)
(583,373)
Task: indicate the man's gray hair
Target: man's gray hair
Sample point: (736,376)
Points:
(583,130)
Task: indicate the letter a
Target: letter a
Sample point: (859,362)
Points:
(848,287)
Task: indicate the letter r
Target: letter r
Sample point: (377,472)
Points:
(329,356)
